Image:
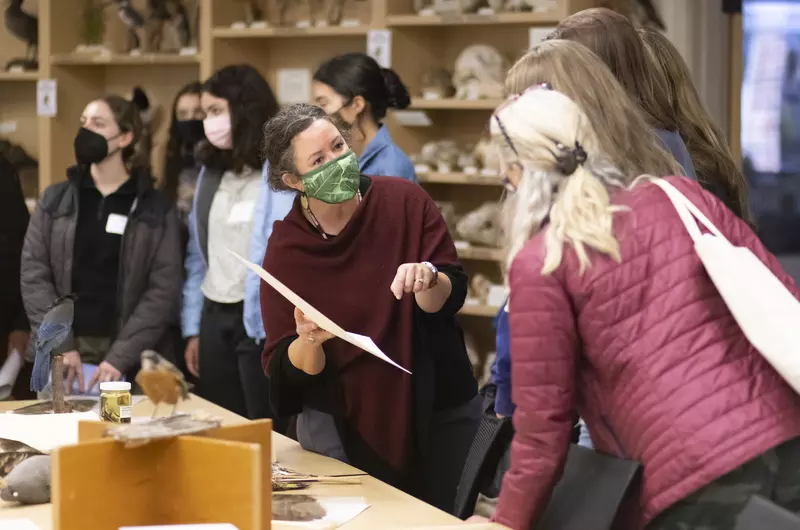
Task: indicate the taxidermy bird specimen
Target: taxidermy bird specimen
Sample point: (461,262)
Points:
(162,12)
(332,16)
(132,18)
(26,28)
(28,482)
(53,331)
(161,381)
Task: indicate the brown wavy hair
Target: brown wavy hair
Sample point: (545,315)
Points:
(624,134)
(705,141)
(616,42)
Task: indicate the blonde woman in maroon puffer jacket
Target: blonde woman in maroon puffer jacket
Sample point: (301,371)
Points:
(614,318)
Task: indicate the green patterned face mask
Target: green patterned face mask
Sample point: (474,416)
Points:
(334,182)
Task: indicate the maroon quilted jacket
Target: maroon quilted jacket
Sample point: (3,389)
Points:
(647,353)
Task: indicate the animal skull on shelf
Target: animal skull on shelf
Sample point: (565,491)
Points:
(479,73)
(482,226)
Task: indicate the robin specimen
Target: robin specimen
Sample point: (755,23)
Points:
(161,381)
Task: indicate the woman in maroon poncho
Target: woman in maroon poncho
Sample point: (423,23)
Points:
(373,254)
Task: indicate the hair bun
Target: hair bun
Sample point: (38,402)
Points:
(397,91)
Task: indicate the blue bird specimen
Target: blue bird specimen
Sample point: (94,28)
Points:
(52,333)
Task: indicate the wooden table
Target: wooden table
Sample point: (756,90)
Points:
(389,508)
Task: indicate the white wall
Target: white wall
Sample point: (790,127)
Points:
(699,29)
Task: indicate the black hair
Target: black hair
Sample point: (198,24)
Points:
(176,149)
(252,103)
(281,130)
(358,74)
(126,114)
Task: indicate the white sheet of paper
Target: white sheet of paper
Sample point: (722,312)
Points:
(338,510)
(9,373)
(242,212)
(365,343)
(115,224)
(44,432)
(18,524)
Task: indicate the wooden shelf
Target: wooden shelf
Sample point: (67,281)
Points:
(278,32)
(19,76)
(482,253)
(455,104)
(551,17)
(476,310)
(147,59)
(458,178)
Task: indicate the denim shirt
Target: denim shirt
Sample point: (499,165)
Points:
(673,143)
(501,375)
(270,206)
(382,157)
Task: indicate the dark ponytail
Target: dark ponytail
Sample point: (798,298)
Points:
(358,74)
(398,93)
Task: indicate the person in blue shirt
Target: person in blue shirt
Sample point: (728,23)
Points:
(356,89)
(233,207)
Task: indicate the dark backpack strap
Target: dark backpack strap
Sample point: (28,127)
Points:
(760,513)
(208,184)
(485,455)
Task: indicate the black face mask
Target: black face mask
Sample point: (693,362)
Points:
(190,131)
(91,147)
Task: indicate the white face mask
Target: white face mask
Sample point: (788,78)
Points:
(218,131)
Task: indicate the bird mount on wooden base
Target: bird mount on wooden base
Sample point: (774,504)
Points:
(220,476)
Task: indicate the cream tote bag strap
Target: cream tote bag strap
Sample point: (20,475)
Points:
(766,311)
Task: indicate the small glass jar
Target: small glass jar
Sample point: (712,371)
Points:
(115,401)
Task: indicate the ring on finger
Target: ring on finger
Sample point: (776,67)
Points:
(420,280)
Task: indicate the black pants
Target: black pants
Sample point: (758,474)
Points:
(231,375)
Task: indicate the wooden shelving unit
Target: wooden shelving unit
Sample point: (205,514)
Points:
(418,44)
(459,179)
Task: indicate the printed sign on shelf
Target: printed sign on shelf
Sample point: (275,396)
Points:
(46,103)
(379,46)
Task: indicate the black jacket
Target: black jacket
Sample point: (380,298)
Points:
(150,268)
(13,223)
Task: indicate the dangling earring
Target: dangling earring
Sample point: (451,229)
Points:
(304,201)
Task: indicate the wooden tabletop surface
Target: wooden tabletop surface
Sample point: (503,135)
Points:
(389,509)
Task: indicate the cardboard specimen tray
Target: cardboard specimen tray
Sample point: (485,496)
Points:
(220,476)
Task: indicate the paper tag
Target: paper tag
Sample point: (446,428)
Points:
(116,223)
(470,170)
(350,23)
(46,102)
(258,24)
(125,411)
(8,127)
(412,118)
(379,46)
(242,212)
(239,25)
(421,168)
(461,244)
(303,24)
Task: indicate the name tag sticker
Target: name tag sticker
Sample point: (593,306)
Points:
(242,212)
(116,223)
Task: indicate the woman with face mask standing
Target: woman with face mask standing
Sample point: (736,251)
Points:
(108,236)
(374,254)
(356,89)
(185,133)
(233,207)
